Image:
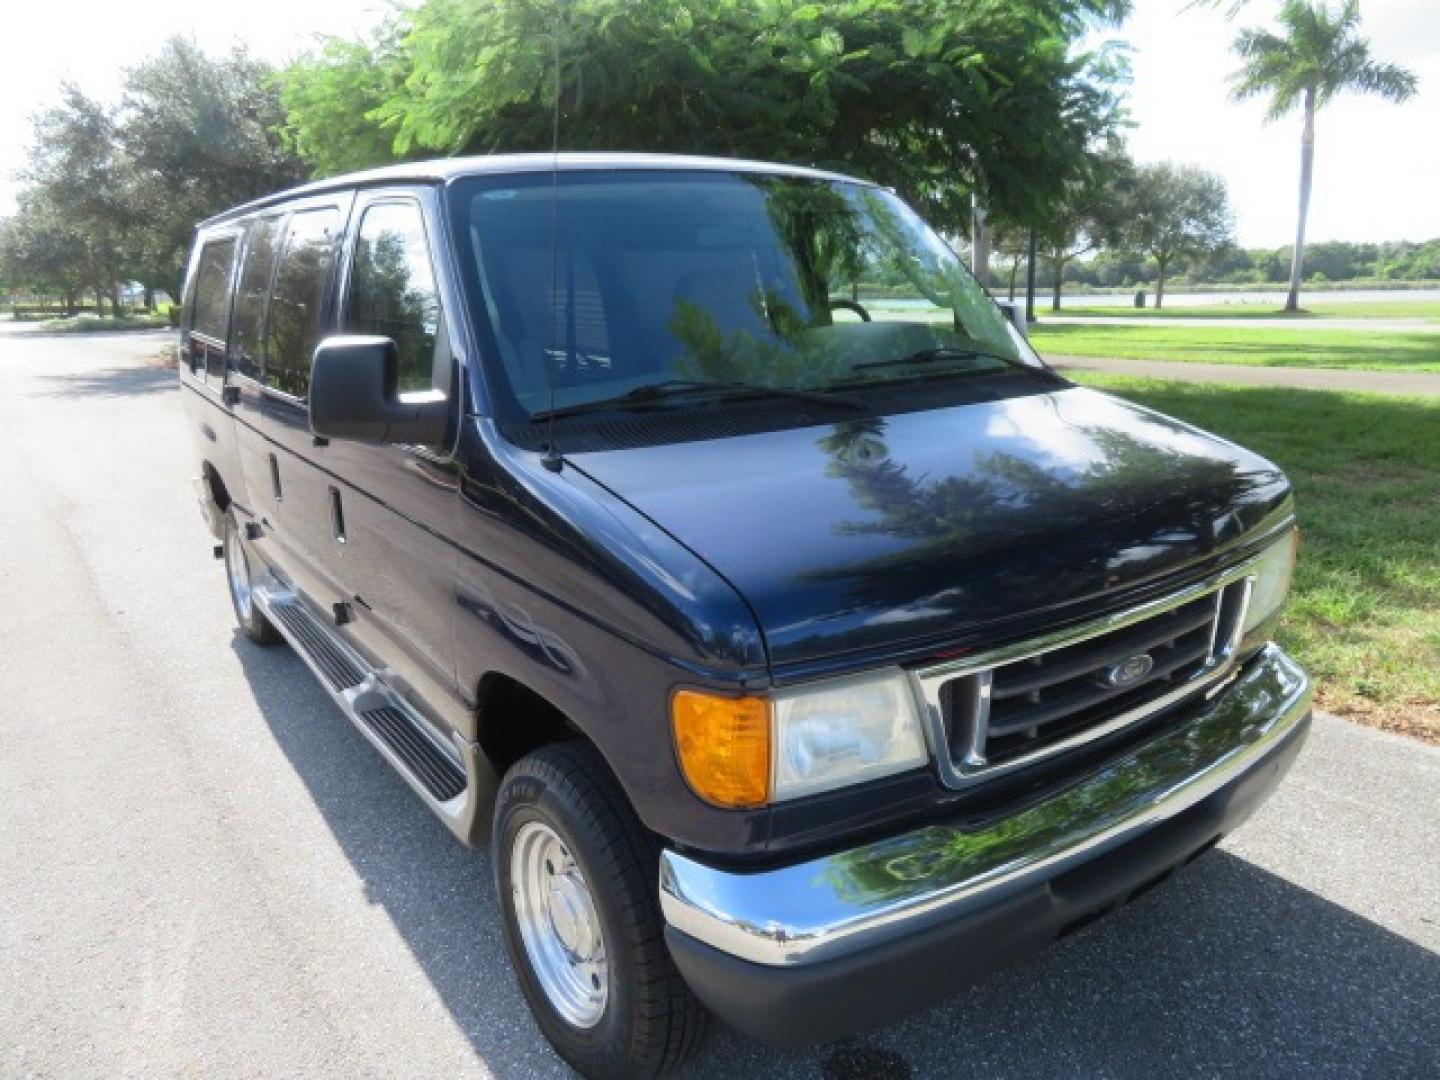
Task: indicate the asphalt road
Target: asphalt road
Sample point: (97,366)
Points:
(204,871)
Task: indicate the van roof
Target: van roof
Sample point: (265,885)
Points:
(440,170)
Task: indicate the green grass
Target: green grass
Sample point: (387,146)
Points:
(89,324)
(1365,614)
(1375,309)
(1411,351)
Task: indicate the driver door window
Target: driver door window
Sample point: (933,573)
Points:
(392,290)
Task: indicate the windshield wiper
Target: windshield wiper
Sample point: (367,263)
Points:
(926,356)
(656,393)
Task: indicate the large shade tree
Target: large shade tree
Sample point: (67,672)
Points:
(1172,211)
(44,254)
(1089,212)
(74,197)
(199,135)
(112,194)
(935,98)
(1318,54)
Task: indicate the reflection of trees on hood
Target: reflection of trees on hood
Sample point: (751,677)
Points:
(1069,521)
(854,442)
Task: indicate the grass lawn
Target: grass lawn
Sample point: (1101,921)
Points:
(1411,351)
(1360,309)
(1365,615)
(89,324)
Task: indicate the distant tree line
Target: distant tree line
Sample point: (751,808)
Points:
(1328,261)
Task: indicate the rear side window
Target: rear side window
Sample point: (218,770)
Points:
(392,289)
(212,289)
(250,296)
(294,325)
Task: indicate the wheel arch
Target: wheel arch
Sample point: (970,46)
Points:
(219,493)
(511,720)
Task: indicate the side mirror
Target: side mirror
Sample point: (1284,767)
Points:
(353,396)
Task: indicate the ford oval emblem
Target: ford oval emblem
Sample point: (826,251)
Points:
(1129,671)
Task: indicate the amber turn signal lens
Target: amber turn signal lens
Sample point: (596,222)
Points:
(724,747)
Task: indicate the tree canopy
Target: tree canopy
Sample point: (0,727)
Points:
(77,223)
(935,98)
(198,134)
(1089,212)
(112,193)
(1175,210)
(1319,55)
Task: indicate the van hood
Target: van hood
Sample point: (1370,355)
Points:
(887,532)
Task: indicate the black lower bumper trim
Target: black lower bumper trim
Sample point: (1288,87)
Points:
(811,1003)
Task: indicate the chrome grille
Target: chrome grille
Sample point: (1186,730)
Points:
(1017,705)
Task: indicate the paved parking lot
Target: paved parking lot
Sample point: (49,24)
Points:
(205,871)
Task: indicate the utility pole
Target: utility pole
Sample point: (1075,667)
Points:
(979,242)
(1030,281)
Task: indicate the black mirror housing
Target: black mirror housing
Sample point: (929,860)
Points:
(353,395)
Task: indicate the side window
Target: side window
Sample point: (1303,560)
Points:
(392,289)
(250,296)
(212,289)
(293,328)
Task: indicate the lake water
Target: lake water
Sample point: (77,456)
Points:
(1358,296)
(1180,300)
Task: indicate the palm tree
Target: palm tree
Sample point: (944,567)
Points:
(1321,54)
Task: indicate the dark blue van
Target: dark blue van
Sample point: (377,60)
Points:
(702,537)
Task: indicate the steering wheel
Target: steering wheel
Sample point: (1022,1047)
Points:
(850,305)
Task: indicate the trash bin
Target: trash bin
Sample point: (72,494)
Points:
(1015,311)
(1140,298)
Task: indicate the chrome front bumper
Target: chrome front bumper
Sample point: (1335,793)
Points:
(839,904)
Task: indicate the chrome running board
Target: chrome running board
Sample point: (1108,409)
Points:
(442,775)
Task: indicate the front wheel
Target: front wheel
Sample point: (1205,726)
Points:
(576,876)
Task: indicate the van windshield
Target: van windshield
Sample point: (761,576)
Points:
(624,289)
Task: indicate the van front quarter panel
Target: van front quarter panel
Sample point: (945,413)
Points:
(570,592)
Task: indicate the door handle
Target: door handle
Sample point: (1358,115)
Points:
(337,515)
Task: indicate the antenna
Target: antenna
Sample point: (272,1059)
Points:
(552,460)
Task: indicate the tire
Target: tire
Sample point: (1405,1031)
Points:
(252,621)
(648,1022)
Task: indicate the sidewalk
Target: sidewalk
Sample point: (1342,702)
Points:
(1375,382)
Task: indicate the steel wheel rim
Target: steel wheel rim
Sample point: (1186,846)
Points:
(559,925)
(237,569)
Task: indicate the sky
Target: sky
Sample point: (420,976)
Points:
(1376,164)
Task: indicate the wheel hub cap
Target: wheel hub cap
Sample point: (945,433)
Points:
(559,925)
(237,569)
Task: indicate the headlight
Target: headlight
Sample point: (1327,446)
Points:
(747,751)
(1273,572)
(843,732)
